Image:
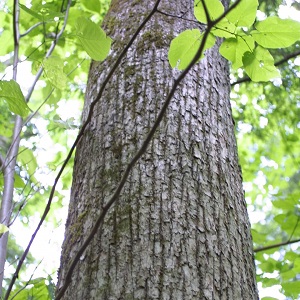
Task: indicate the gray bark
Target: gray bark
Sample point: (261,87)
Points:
(180,228)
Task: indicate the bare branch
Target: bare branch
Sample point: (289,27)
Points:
(9,169)
(288,242)
(28,281)
(276,245)
(30,29)
(1,163)
(178,17)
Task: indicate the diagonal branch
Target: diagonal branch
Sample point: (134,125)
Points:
(275,245)
(30,29)
(288,242)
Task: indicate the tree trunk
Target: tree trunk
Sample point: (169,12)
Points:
(180,228)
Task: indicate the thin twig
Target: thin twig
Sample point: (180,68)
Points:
(178,17)
(28,281)
(288,242)
(30,29)
(276,245)
(1,163)
(294,229)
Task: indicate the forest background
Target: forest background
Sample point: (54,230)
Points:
(267,122)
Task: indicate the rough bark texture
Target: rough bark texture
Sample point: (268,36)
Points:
(180,228)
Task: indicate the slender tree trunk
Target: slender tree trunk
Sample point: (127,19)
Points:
(180,228)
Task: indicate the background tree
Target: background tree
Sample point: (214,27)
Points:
(179,228)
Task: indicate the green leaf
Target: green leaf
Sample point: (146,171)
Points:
(93,39)
(268,282)
(287,275)
(53,68)
(3,229)
(233,49)
(93,5)
(6,42)
(45,13)
(10,91)
(27,160)
(280,219)
(68,124)
(274,32)
(215,9)
(268,298)
(19,183)
(287,222)
(289,202)
(31,12)
(259,65)
(224,28)
(292,288)
(37,289)
(258,237)
(244,13)
(185,46)
(267,266)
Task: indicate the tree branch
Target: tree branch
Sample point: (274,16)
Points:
(9,168)
(275,245)
(1,163)
(30,29)
(178,17)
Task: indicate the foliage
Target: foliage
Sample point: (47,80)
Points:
(266,114)
(3,229)
(39,288)
(10,91)
(238,46)
(51,125)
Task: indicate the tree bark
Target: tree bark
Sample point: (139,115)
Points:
(180,228)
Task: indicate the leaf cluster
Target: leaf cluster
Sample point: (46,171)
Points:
(242,45)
